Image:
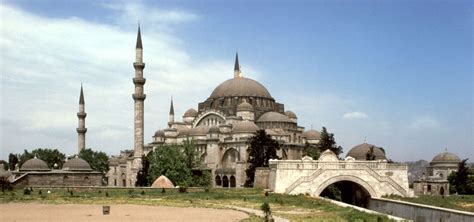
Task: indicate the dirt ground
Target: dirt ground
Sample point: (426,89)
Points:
(71,212)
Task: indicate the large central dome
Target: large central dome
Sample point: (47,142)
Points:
(240,86)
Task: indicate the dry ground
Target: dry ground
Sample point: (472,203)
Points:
(78,212)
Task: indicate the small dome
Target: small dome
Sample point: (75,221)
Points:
(446,157)
(190,113)
(77,164)
(240,87)
(34,164)
(359,152)
(312,135)
(244,106)
(244,127)
(274,117)
(214,129)
(199,130)
(290,114)
(160,133)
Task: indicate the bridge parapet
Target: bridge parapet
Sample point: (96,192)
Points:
(311,176)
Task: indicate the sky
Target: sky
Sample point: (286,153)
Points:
(397,73)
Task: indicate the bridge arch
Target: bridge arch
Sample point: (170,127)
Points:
(341,178)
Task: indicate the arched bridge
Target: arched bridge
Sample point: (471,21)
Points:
(307,176)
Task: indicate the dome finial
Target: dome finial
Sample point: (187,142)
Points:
(365,140)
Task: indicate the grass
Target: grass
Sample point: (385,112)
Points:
(293,207)
(456,202)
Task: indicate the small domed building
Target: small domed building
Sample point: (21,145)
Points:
(36,173)
(435,180)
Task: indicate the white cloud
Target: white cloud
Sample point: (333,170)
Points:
(44,60)
(355,115)
(424,122)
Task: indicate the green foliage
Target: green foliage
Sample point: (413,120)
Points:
(202,178)
(170,162)
(12,161)
(460,181)
(327,141)
(311,151)
(50,156)
(265,207)
(142,176)
(192,157)
(332,192)
(26,191)
(98,160)
(370,154)
(261,149)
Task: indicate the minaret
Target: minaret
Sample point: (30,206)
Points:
(81,129)
(237,72)
(139,99)
(171,116)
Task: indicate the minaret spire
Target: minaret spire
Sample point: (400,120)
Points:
(81,128)
(139,39)
(171,115)
(237,71)
(139,100)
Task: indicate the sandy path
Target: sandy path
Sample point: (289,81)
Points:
(76,212)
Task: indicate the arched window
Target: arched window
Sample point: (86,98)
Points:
(225,182)
(218,181)
(230,157)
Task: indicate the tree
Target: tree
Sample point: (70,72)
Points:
(192,157)
(142,176)
(12,161)
(50,156)
(99,161)
(460,180)
(370,154)
(312,151)
(327,141)
(261,149)
(169,161)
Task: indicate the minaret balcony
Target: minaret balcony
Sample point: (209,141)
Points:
(81,115)
(139,97)
(139,65)
(81,130)
(139,81)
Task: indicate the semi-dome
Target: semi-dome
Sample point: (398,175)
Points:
(199,130)
(34,164)
(160,133)
(290,114)
(274,117)
(240,86)
(190,113)
(446,157)
(312,135)
(244,127)
(244,106)
(359,152)
(77,164)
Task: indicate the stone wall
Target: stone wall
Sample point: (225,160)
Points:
(262,176)
(58,179)
(418,212)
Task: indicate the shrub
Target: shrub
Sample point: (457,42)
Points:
(267,211)
(26,191)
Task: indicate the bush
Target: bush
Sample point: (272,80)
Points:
(27,191)
(267,211)
(183,189)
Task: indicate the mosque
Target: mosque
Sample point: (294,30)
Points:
(220,127)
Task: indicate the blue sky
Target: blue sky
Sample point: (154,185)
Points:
(397,72)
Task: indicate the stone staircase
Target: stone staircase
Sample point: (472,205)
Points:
(304,179)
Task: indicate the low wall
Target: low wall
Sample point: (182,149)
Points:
(418,212)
